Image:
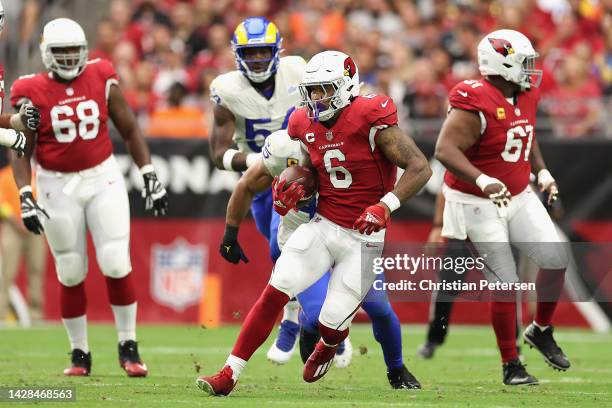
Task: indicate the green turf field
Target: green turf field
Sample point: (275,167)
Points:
(465,372)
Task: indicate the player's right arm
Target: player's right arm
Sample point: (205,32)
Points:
(460,131)
(22,173)
(256,179)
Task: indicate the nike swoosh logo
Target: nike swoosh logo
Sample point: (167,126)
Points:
(384,104)
(464,94)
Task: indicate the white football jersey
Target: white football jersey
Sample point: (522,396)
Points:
(278,153)
(256,116)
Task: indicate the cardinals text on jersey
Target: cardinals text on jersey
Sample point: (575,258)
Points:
(353,174)
(507,133)
(73,133)
(257,117)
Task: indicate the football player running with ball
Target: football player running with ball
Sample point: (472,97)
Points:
(13,126)
(355,146)
(80,184)
(279,152)
(250,103)
(488,145)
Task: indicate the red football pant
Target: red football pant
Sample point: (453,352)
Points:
(259,322)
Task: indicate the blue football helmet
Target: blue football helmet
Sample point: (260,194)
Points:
(256,32)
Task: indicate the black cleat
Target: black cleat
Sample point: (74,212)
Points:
(402,379)
(308,341)
(515,374)
(81,364)
(544,342)
(130,361)
(427,350)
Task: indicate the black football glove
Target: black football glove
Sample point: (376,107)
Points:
(155,195)
(20,144)
(30,116)
(230,248)
(30,212)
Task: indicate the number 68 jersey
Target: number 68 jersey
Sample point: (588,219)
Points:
(73,132)
(255,116)
(506,135)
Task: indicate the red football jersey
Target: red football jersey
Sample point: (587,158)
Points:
(507,133)
(73,132)
(353,173)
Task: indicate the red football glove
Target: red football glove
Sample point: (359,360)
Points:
(286,199)
(373,219)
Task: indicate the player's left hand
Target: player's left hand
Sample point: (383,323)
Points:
(548,185)
(230,248)
(30,116)
(31,212)
(155,195)
(373,219)
(20,144)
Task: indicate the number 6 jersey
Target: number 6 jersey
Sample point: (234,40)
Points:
(353,173)
(73,132)
(506,134)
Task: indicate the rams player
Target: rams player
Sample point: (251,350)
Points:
(250,103)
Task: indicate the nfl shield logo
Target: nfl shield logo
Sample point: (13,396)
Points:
(329,135)
(178,274)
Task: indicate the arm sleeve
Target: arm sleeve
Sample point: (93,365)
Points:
(383,112)
(217,94)
(464,97)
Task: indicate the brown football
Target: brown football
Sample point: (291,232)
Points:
(301,175)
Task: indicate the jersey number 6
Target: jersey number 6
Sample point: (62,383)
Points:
(88,115)
(333,171)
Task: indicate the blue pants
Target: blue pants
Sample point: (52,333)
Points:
(262,210)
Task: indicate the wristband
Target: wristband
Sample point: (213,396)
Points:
(16,122)
(545,178)
(251,159)
(25,189)
(146,169)
(391,201)
(8,137)
(227,159)
(231,233)
(483,181)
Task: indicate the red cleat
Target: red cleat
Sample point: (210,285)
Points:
(319,361)
(219,384)
(130,361)
(81,364)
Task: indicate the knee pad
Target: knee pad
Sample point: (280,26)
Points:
(114,259)
(338,311)
(71,268)
(552,255)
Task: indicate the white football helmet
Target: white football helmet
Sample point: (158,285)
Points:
(1,16)
(509,54)
(59,34)
(333,68)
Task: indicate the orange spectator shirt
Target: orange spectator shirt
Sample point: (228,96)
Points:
(181,122)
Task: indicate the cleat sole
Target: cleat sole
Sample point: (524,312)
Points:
(550,363)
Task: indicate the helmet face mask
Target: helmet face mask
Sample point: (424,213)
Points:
(64,49)
(509,54)
(253,38)
(336,78)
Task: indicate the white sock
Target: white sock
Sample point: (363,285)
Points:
(77,332)
(291,311)
(125,321)
(237,364)
(540,327)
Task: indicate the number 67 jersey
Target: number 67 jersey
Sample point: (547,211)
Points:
(506,134)
(73,132)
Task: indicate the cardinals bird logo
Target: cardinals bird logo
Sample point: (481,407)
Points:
(349,67)
(502,46)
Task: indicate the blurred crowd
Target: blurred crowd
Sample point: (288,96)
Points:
(167,52)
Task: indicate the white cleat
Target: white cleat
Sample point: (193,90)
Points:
(343,360)
(278,356)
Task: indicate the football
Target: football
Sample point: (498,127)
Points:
(301,175)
